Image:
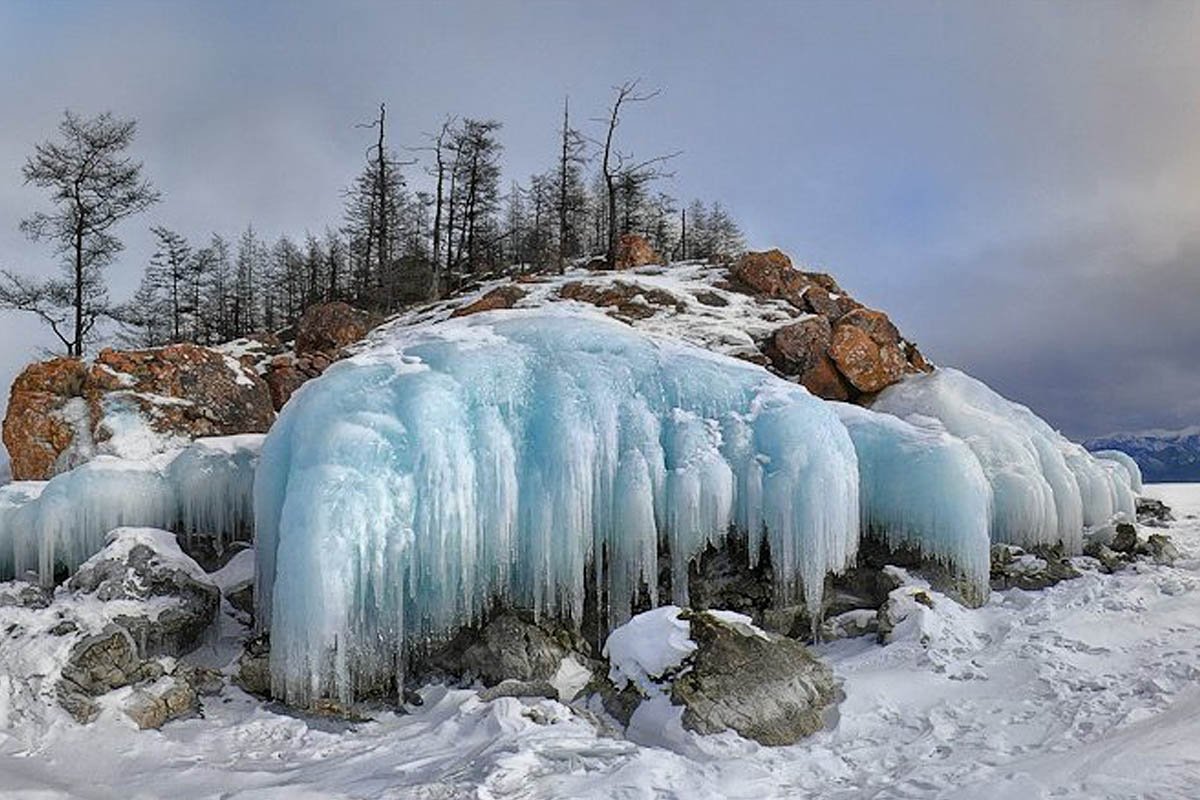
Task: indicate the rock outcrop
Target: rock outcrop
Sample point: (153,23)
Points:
(120,623)
(133,403)
(328,327)
(321,338)
(844,350)
(767,688)
(145,565)
(501,297)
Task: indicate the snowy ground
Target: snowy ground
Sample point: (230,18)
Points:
(1090,689)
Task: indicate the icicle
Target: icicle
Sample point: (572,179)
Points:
(55,526)
(1045,489)
(499,457)
(921,487)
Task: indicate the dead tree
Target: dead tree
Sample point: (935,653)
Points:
(616,163)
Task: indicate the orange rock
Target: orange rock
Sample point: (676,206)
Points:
(868,365)
(58,409)
(801,350)
(329,327)
(505,296)
(36,432)
(875,324)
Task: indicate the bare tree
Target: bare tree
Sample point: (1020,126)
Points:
(93,187)
(618,164)
(570,186)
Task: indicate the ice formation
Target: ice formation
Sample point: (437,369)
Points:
(51,527)
(497,457)
(1125,460)
(1044,487)
(921,487)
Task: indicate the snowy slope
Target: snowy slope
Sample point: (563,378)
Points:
(1163,456)
(1086,691)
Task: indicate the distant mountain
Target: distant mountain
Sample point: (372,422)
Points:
(1164,456)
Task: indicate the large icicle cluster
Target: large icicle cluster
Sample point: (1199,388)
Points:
(500,457)
(921,487)
(55,526)
(1044,487)
(1125,460)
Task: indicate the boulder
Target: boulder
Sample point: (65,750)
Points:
(1153,512)
(765,687)
(328,327)
(144,564)
(131,403)
(635,251)
(153,706)
(509,646)
(801,349)
(1126,539)
(286,373)
(254,666)
(1037,568)
(867,364)
(771,273)
(1162,549)
(505,296)
(47,409)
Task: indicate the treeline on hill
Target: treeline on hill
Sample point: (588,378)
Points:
(414,228)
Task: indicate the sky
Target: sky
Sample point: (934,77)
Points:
(1018,185)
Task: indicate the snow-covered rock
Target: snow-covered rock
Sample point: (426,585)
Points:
(714,671)
(122,620)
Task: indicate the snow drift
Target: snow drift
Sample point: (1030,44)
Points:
(1045,489)
(53,527)
(502,457)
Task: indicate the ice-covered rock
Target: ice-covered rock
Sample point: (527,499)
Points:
(1044,488)
(922,488)
(204,490)
(503,456)
(1126,461)
(508,647)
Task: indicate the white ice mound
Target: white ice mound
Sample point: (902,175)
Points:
(497,456)
(55,526)
(922,488)
(1044,487)
(1125,460)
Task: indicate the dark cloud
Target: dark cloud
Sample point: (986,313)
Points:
(1016,183)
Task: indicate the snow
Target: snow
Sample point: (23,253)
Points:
(1125,460)
(1084,691)
(495,455)
(1039,479)
(57,525)
(921,487)
(647,648)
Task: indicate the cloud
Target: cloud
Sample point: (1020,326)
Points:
(1015,183)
